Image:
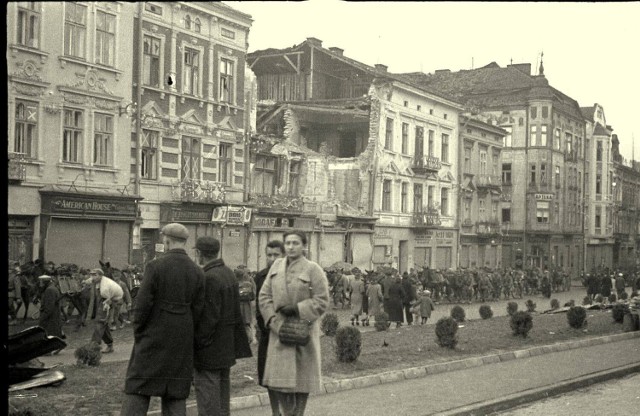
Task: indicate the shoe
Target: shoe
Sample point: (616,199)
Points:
(108,350)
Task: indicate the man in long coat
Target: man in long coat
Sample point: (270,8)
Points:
(50,319)
(220,335)
(168,306)
(356,291)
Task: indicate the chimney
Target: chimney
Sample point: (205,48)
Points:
(381,68)
(337,51)
(524,68)
(315,41)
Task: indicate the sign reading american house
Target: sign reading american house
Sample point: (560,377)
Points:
(89,206)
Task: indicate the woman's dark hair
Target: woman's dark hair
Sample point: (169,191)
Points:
(276,244)
(300,234)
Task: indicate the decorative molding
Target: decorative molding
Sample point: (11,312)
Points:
(32,91)
(90,81)
(28,70)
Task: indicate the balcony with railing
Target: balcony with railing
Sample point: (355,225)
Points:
(423,164)
(488,227)
(17,167)
(195,190)
(427,219)
(488,181)
(277,202)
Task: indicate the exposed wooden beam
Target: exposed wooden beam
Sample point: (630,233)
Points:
(254,62)
(292,65)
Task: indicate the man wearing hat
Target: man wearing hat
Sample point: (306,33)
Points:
(168,306)
(105,294)
(50,319)
(220,334)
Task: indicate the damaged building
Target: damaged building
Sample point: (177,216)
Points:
(369,159)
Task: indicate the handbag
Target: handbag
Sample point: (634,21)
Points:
(295,331)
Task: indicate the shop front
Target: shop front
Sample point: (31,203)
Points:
(512,251)
(83,229)
(23,223)
(435,248)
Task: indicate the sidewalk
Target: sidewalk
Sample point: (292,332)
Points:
(479,389)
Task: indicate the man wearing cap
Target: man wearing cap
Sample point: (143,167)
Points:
(50,319)
(168,306)
(105,294)
(220,336)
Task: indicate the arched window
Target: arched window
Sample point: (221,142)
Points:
(196,24)
(187,22)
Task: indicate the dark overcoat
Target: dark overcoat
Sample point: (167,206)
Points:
(394,304)
(220,332)
(168,305)
(50,311)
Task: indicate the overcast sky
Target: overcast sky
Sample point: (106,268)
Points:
(591,50)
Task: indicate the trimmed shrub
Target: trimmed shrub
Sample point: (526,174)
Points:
(599,299)
(624,296)
(485,312)
(586,300)
(457,313)
(555,303)
(446,330)
(348,344)
(382,321)
(512,308)
(618,311)
(88,355)
(521,323)
(531,306)
(571,303)
(329,324)
(613,298)
(577,316)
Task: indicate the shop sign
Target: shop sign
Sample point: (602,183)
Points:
(238,215)
(87,206)
(225,134)
(544,197)
(269,223)
(304,224)
(444,238)
(185,214)
(234,233)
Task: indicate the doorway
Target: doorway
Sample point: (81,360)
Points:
(403,252)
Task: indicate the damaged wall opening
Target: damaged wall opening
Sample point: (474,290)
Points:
(337,140)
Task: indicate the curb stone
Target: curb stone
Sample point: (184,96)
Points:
(262,399)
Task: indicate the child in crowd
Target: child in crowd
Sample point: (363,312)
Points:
(422,307)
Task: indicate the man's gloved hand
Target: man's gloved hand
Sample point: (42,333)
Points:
(289,310)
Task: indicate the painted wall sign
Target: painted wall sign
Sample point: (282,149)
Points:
(189,214)
(88,206)
(235,215)
(544,197)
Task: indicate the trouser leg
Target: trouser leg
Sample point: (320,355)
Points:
(134,405)
(174,407)
(213,392)
(273,401)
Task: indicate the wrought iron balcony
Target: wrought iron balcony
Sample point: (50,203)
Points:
(488,181)
(17,168)
(195,190)
(488,227)
(277,202)
(426,219)
(422,164)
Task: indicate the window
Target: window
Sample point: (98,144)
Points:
(534,112)
(482,212)
(430,191)
(444,201)
(598,184)
(494,211)
(506,215)
(197,25)
(190,158)
(404,197)
(191,72)
(445,148)
(545,111)
(467,160)
(431,143)
(483,161)
(294,177)
(506,140)
(556,213)
(445,116)
(542,212)
(187,22)
(419,143)
(598,219)
(599,151)
(151,62)
(533,136)
(149,157)
(386,195)
(532,178)
(226,81)
(105,38)
(226,33)
(264,175)
(494,163)
(543,135)
(102,139)
(28,24)
(388,137)
(431,111)
(406,103)
(26,128)
(568,140)
(543,173)
(418,107)
(75,30)
(224,163)
(153,9)
(72,135)
(556,140)
(506,173)
(467,209)
(521,122)
(417,197)
(558,176)
(405,138)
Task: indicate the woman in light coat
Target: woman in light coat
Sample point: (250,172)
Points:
(294,286)
(374,295)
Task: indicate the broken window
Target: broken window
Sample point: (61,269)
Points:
(294,177)
(264,175)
